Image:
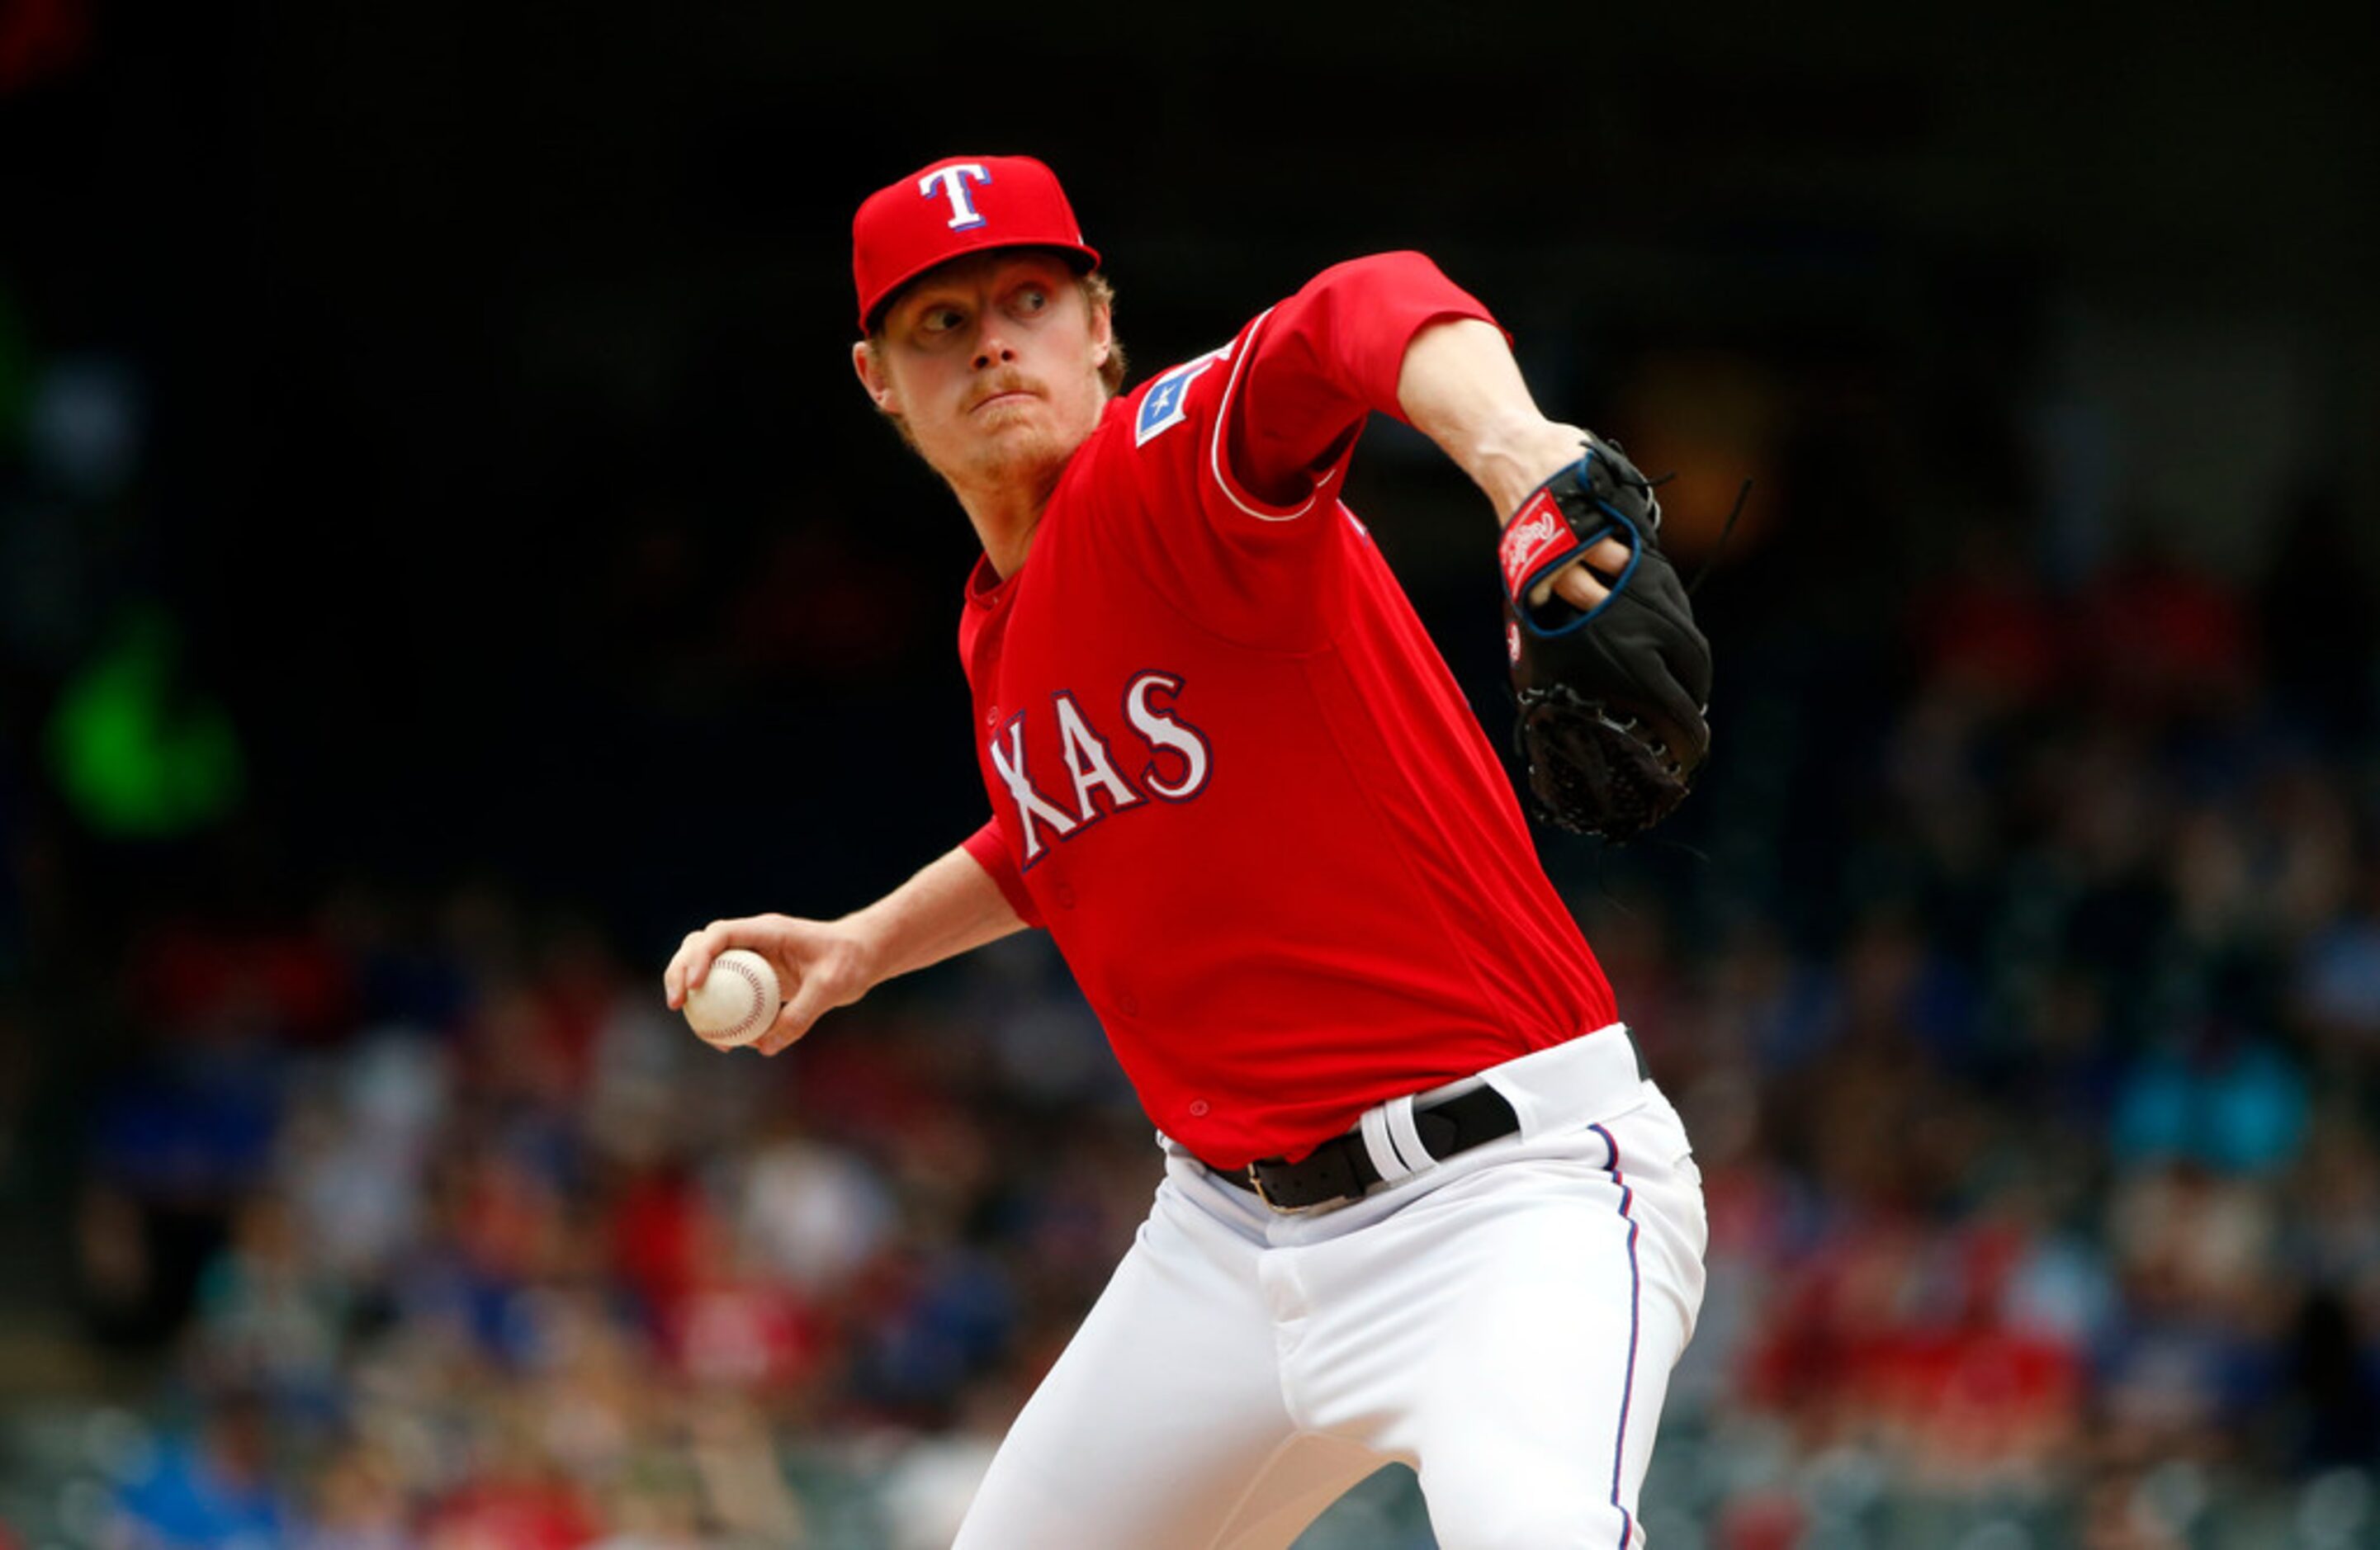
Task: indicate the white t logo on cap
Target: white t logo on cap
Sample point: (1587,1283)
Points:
(952,182)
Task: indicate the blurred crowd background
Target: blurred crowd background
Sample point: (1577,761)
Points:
(442,560)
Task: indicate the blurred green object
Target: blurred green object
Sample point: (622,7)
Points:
(134,754)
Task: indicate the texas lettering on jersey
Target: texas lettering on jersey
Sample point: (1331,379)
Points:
(1228,770)
(1177,762)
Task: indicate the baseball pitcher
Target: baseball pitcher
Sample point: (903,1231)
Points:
(1422,1201)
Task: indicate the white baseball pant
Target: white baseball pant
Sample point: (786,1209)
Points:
(1503,1322)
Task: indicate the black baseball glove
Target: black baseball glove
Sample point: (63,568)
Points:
(1613,701)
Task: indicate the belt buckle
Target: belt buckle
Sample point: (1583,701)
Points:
(1255,1182)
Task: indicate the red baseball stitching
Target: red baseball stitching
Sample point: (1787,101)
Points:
(743,970)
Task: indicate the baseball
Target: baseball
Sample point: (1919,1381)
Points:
(736,1001)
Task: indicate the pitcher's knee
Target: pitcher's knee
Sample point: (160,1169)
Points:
(1516,1512)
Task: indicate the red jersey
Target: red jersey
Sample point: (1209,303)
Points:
(1230,772)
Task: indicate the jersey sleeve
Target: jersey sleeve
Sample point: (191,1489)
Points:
(990,853)
(1231,460)
(1313,367)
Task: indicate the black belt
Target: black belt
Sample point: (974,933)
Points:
(1341,1169)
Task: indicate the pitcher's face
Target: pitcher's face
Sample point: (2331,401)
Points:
(993,363)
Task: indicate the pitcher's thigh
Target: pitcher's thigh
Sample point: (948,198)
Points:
(1545,1375)
(1162,1427)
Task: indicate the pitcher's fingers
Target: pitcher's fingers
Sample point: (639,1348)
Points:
(794,1019)
(1578,586)
(690,966)
(1580,583)
(1610,556)
(673,975)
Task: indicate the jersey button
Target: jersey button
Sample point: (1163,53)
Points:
(1128,1003)
(1065,896)
(1197,1108)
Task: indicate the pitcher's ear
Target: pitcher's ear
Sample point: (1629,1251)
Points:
(874,378)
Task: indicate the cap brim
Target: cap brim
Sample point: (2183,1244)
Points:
(1083,258)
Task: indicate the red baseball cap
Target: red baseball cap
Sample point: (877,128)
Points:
(956,206)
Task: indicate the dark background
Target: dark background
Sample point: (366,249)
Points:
(500,461)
